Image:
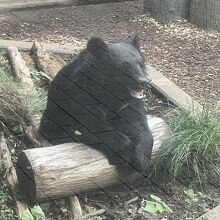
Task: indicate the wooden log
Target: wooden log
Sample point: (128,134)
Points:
(30,135)
(46,62)
(75,208)
(12,180)
(167,10)
(68,169)
(19,68)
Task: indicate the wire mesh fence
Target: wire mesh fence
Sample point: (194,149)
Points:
(164,10)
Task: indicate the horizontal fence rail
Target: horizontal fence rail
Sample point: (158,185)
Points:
(19,4)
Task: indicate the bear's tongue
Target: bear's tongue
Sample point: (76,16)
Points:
(139,94)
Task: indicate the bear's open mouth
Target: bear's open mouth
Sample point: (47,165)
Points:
(139,94)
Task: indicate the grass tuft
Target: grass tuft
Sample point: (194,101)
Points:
(193,148)
(16,105)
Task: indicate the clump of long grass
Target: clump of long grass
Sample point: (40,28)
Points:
(193,149)
(16,105)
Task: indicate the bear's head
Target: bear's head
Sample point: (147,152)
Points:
(122,62)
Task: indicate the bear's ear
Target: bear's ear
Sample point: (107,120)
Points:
(135,42)
(96,46)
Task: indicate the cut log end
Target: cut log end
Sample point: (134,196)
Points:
(25,175)
(19,67)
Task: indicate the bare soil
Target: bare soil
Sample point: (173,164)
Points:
(187,55)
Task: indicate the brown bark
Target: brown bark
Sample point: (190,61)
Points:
(30,135)
(72,168)
(18,65)
(95,213)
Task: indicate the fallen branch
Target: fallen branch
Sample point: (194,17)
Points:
(67,169)
(11,176)
(92,214)
(30,136)
(132,200)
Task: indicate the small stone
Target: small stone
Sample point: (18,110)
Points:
(130,211)
(78,133)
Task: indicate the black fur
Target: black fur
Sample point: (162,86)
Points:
(90,101)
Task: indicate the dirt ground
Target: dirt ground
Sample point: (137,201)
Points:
(185,54)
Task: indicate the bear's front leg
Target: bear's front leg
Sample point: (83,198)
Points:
(141,157)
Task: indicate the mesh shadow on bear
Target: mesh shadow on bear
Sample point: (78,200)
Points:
(97,100)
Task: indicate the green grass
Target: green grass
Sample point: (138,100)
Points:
(16,105)
(193,149)
(36,101)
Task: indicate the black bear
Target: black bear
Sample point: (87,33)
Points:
(97,100)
